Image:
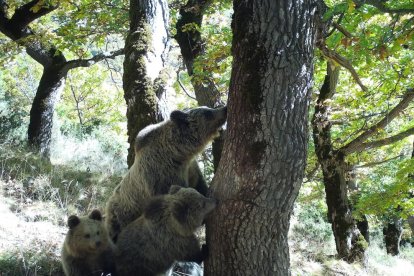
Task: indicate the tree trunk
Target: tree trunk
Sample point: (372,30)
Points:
(392,236)
(363,227)
(50,87)
(191,46)
(265,149)
(350,244)
(144,55)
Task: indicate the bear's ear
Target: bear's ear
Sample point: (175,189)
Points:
(96,215)
(174,189)
(73,221)
(179,117)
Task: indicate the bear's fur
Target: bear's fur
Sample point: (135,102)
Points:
(164,155)
(87,249)
(164,233)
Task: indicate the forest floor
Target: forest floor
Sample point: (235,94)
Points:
(34,210)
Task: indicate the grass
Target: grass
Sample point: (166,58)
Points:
(36,197)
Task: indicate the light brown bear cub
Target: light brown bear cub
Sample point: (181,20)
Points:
(87,249)
(164,233)
(164,155)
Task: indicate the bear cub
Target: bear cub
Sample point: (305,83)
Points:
(87,249)
(164,233)
(164,155)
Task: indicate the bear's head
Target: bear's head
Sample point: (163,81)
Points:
(189,209)
(87,235)
(184,208)
(199,125)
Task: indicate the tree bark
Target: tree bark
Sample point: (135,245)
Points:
(144,55)
(191,46)
(392,236)
(265,149)
(48,92)
(350,244)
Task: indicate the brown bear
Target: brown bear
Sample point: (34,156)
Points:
(164,233)
(87,249)
(164,155)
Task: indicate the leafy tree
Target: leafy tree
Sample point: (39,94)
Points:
(370,39)
(264,153)
(25,25)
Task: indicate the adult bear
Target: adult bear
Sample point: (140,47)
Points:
(164,156)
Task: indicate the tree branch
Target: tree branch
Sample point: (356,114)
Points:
(343,62)
(372,164)
(357,143)
(380,5)
(386,141)
(29,12)
(91,61)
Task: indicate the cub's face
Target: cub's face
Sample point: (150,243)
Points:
(190,208)
(202,123)
(87,234)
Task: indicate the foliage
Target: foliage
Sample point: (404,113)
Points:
(77,28)
(388,191)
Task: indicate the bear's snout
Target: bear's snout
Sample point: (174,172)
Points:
(98,243)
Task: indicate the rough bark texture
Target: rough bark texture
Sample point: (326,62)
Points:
(350,244)
(265,149)
(392,236)
(144,54)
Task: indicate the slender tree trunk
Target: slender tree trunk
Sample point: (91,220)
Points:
(191,46)
(48,92)
(392,236)
(350,244)
(265,149)
(144,50)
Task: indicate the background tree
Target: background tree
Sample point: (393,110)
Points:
(265,149)
(340,145)
(39,44)
(145,51)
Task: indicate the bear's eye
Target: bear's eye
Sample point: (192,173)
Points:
(87,236)
(97,233)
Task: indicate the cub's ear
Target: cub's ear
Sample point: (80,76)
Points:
(179,117)
(73,221)
(174,189)
(96,215)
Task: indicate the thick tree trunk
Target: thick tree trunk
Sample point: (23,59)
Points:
(392,236)
(350,244)
(41,114)
(144,50)
(265,149)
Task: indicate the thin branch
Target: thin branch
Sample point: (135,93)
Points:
(342,30)
(91,61)
(387,141)
(357,143)
(380,5)
(343,62)
(372,164)
(182,86)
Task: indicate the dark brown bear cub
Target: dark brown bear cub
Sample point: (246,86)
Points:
(164,156)
(87,249)
(164,233)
